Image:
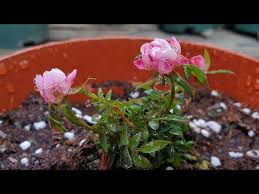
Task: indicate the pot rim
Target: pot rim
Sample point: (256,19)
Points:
(76,40)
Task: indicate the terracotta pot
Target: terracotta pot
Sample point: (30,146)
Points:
(112,59)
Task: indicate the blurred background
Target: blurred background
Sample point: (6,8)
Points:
(242,38)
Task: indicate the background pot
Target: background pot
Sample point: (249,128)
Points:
(112,59)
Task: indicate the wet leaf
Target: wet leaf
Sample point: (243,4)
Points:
(187,72)
(182,82)
(56,124)
(199,74)
(108,95)
(207,59)
(154,146)
(153,124)
(134,141)
(124,136)
(141,162)
(104,143)
(126,161)
(224,71)
(100,92)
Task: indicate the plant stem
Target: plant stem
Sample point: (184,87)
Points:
(117,109)
(172,93)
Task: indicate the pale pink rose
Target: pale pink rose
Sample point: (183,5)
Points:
(198,61)
(160,55)
(54,85)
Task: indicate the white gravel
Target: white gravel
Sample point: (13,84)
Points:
(25,145)
(205,133)
(79,116)
(246,111)
(46,113)
(25,161)
(214,93)
(27,127)
(3,134)
(237,104)
(251,133)
(214,126)
(235,154)
(253,154)
(178,107)
(1,122)
(82,142)
(39,125)
(69,135)
(200,123)
(76,111)
(189,116)
(89,119)
(38,151)
(194,127)
(134,94)
(223,105)
(215,161)
(169,168)
(255,115)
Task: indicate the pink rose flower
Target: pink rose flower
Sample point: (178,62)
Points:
(54,85)
(198,61)
(160,55)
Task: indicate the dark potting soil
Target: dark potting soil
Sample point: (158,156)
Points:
(230,145)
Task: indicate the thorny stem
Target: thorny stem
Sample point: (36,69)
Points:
(117,109)
(172,93)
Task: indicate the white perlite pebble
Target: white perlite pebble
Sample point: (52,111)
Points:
(194,127)
(89,119)
(205,133)
(215,161)
(237,104)
(27,127)
(25,161)
(257,167)
(39,125)
(214,93)
(255,115)
(1,122)
(178,107)
(169,168)
(189,116)
(69,135)
(46,113)
(235,154)
(200,123)
(134,94)
(82,142)
(253,154)
(171,111)
(79,116)
(223,105)
(3,134)
(246,110)
(25,145)
(77,111)
(251,133)
(38,151)
(214,126)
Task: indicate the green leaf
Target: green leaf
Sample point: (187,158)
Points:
(176,130)
(70,115)
(146,85)
(134,141)
(153,124)
(187,72)
(100,92)
(56,124)
(104,143)
(174,118)
(126,161)
(182,82)
(154,146)
(180,144)
(199,74)
(220,71)
(124,136)
(207,59)
(149,91)
(141,162)
(145,134)
(108,95)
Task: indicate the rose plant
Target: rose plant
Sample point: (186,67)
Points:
(143,133)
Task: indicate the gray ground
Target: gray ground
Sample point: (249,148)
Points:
(221,37)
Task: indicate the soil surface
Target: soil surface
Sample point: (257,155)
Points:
(234,145)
